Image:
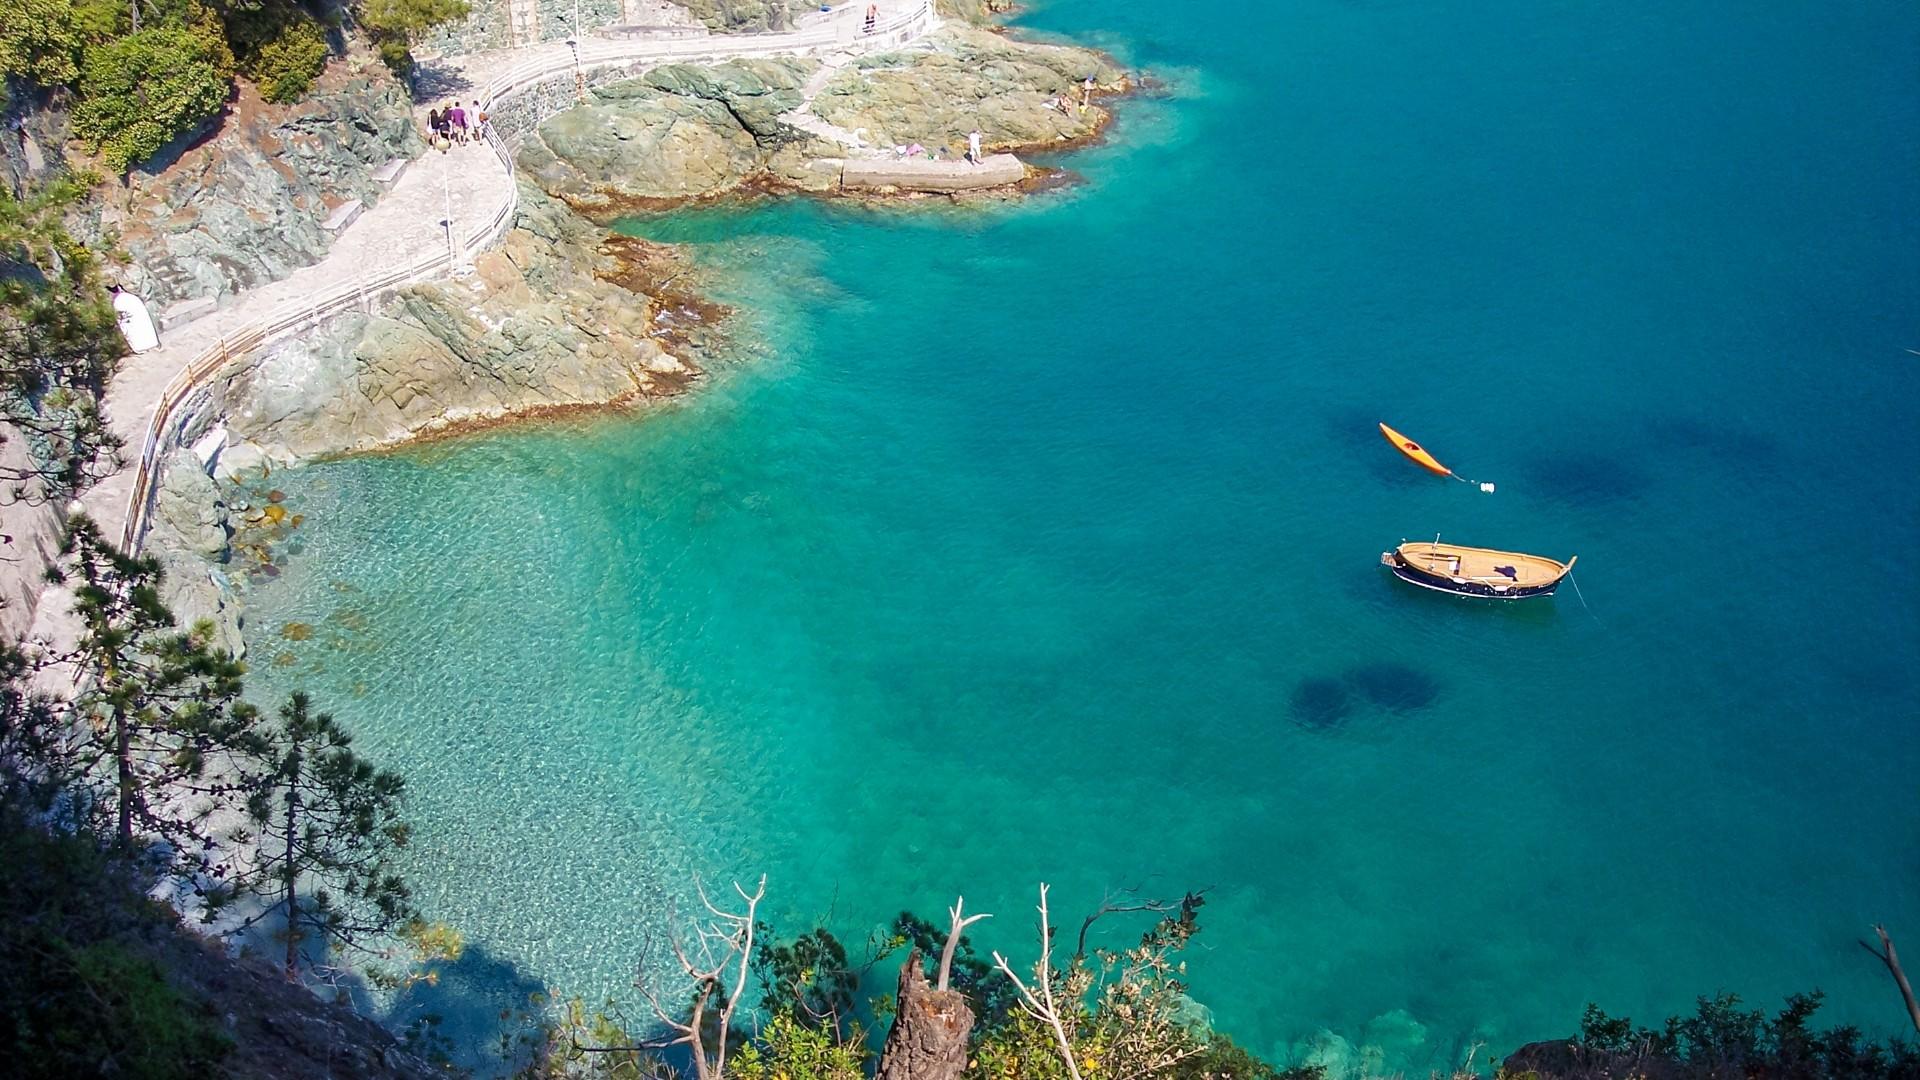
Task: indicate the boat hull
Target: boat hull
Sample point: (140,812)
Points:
(1473,590)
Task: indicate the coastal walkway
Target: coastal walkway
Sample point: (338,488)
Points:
(443,208)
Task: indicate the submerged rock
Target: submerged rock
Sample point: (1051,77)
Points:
(1320,704)
(1394,686)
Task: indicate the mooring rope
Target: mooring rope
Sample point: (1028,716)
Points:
(1575,582)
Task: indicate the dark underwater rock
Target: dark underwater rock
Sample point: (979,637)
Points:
(1583,479)
(1394,686)
(1320,704)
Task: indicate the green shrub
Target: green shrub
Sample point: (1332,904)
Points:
(279,46)
(80,994)
(39,41)
(285,67)
(395,25)
(141,92)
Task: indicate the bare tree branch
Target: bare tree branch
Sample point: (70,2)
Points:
(1041,1005)
(1122,901)
(958,925)
(1892,960)
(725,944)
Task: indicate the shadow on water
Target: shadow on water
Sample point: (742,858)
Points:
(468,1008)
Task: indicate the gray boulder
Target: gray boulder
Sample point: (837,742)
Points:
(189,534)
(755,92)
(679,132)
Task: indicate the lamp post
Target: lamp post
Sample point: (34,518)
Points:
(446,186)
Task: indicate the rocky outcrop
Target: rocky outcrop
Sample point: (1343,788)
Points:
(245,206)
(973,11)
(1021,95)
(34,125)
(745,16)
(555,317)
(680,132)
(687,132)
(190,534)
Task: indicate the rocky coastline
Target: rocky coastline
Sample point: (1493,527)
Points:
(682,134)
(562,316)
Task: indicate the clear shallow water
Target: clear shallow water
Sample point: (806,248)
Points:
(1017,554)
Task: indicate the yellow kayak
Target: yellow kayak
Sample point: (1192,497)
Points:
(1415,451)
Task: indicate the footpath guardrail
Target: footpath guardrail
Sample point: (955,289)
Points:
(584,56)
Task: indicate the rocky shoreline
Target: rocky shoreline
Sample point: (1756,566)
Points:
(562,316)
(686,134)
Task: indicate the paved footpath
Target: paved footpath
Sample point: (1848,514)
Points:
(404,226)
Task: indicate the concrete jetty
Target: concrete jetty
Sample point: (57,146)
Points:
(914,174)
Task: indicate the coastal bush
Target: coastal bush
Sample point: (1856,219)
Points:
(39,41)
(139,93)
(59,342)
(1720,1038)
(80,994)
(278,46)
(790,1050)
(394,25)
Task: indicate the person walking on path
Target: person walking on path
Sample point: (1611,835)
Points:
(873,17)
(480,119)
(973,146)
(457,119)
(436,120)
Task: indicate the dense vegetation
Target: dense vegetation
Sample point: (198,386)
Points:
(150,73)
(58,345)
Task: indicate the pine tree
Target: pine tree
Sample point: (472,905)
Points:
(160,719)
(59,343)
(328,826)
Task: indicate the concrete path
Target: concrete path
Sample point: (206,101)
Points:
(404,226)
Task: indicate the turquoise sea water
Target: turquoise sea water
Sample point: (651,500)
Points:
(1039,542)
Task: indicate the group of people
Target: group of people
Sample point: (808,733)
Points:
(454,124)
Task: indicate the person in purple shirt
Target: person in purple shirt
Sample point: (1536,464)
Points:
(457,119)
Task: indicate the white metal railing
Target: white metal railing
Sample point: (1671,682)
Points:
(590,55)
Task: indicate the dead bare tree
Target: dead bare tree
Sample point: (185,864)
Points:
(1038,1001)
(957,925)
(1892,960)
(928,1039)
(719,954)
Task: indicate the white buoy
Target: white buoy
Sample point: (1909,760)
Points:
(1488,488)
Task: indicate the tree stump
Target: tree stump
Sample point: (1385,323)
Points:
(928,1040)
